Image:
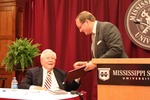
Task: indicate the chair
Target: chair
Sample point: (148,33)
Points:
(84,95)
(3,82)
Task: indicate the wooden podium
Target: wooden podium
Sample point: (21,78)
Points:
(117,91)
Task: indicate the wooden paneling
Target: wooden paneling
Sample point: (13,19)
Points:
(121,61)
(3,48)
(11,27)
(7,26)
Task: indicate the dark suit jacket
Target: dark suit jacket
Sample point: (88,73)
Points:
(34,76)
(108,41)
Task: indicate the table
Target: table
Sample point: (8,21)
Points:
(25,94)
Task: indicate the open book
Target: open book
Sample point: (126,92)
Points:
(58,91)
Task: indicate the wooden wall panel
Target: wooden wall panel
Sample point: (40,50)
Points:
(11,27)
(7,26)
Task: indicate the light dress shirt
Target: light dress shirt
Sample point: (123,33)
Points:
(54,84)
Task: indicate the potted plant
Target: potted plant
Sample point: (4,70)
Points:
(20,54)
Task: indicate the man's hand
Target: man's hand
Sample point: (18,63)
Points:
(39,88)
(79,64)
(90,66)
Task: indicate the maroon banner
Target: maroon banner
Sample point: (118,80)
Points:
(131,74)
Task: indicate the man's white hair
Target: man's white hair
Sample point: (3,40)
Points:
(48,50)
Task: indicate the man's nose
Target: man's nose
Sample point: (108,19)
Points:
(50,59)
(81,30)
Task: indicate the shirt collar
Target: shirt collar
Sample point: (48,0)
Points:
(94,27)
(45,70)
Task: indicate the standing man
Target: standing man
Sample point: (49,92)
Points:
(106,39)
(47,77)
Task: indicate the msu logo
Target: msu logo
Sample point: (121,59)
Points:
(137,23)
(104,73)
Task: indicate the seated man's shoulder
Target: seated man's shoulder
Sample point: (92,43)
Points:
(59,70)
(35,68)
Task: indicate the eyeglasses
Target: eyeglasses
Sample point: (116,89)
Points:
(81,25)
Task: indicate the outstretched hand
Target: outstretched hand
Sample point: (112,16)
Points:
(39,88)
(89,65)
(79,64)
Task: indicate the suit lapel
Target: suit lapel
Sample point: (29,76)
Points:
(40,76)
(97,38)
(58,79)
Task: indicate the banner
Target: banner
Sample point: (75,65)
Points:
(124,74)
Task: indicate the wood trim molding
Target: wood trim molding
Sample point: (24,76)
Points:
(121,61)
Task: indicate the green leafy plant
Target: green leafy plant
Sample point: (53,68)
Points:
(20,54)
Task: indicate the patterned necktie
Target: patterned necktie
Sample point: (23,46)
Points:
(47,83)
(93,44)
